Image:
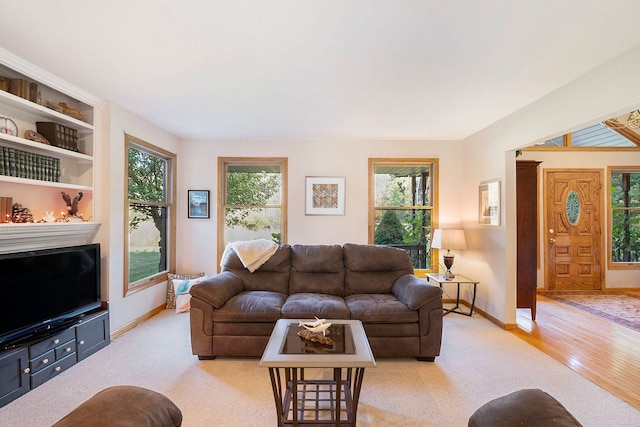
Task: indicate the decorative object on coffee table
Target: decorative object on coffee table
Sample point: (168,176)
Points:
(316,331)
(319,326)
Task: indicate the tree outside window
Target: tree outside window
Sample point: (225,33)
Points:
(253,194)
(625,215)
(402,206)
(150,211)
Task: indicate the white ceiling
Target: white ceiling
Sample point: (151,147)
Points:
(212,69)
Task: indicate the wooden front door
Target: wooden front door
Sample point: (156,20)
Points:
(573,224)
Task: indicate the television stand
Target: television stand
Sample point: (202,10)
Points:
(36,359)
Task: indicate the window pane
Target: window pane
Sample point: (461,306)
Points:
(408,229)
(147,247)
(625,236)
(253,185)
(599,135)
(252,223)
(147,177)
(555,142)
(402,185)
(625,189)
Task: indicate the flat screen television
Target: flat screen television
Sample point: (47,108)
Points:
(45,288)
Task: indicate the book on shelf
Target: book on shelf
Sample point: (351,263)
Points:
(6,208)
(22,164)
(19,87)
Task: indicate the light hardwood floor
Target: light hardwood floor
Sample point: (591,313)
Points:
(601,351)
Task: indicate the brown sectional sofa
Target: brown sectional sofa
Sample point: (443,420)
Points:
(234,312)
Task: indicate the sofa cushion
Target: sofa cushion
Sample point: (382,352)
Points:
(308,305)
(317,269)
(379,308)
(251,306)
(373,269)
(273,275)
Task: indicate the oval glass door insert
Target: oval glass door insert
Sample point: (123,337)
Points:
(572,207)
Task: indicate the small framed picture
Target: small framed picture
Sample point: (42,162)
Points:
(198,203)
(489,203)
(324,195)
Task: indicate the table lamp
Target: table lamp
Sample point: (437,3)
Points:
(448,239)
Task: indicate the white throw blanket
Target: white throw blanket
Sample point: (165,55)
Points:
(252,253)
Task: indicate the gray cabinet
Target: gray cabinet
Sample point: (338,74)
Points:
(14,374)
(92,335)
(33,363)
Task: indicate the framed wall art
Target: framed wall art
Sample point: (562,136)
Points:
(198,203)
(489,203)
(324,195)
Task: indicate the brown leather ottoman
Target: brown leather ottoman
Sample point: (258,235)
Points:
(523,408)
(124,406)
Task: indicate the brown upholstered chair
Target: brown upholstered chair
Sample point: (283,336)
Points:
(124,406)
(523,408)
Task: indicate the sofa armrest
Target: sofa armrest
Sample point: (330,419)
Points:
(415,292)
(218,289)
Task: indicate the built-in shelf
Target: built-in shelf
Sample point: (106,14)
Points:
(42,112)
(32,236)
(17,142)
(46,98)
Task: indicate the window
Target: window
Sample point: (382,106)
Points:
(253,200)
(611,135)
(402,206)
(625,217)
(150,213)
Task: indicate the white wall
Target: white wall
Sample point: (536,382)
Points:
(348,158)
(604,92)
(116,121)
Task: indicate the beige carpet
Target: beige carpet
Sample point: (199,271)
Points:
(479,362)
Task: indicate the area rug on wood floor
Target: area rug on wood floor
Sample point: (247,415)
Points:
(619,307)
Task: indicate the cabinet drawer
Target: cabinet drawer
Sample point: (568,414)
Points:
(50,343)
(65,349)
(49,372)
(42,361)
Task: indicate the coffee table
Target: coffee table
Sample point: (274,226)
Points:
(317,402)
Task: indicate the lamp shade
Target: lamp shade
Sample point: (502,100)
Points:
(448,239)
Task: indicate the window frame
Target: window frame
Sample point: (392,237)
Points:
(434,165)
(170,204)
(223,163)
(616,265)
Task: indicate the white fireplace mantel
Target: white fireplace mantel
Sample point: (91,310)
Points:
(28,237)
